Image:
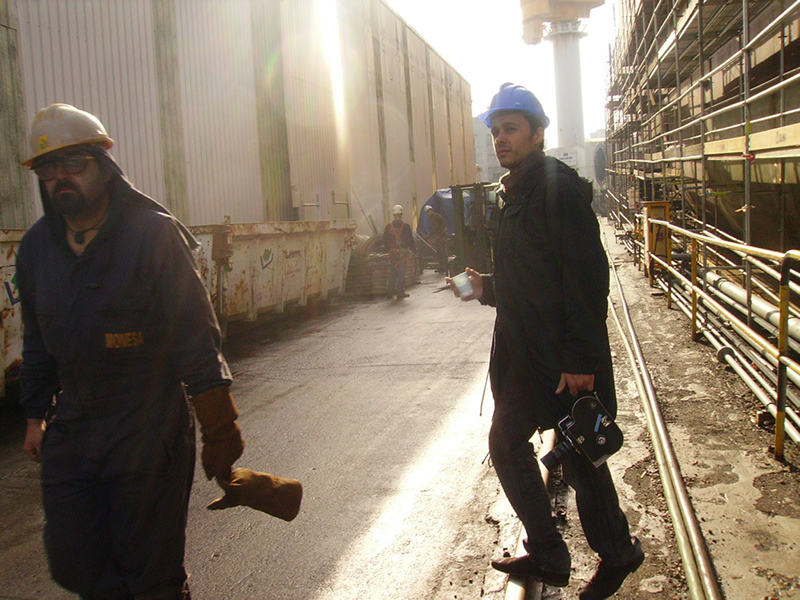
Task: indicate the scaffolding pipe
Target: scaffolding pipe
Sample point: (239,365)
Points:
(777,23)
(732,357)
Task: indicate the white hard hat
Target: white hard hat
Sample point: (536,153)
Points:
(427,207)
(60,126)
(397,210)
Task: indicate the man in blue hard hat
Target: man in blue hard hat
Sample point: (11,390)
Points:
(550,287)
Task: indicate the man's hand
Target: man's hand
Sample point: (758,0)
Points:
(477,285)
(33,439)
(576,383)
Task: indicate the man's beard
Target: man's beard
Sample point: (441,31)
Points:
(68,200)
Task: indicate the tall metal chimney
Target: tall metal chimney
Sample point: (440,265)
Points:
(565,32)
(566,36)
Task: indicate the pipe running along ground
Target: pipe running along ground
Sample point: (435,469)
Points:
(729,353)
(768,351)
(700,576)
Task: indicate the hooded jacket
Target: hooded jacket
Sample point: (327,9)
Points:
(122,327)
(550,281)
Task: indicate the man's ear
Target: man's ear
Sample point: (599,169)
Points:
(108,173)
(538,136)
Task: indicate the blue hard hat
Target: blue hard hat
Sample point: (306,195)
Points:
(516,98)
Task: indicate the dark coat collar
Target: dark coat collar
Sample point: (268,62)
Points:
(517,182)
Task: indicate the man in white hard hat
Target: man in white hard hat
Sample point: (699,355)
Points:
(550,287)
(399,241)
(117,325)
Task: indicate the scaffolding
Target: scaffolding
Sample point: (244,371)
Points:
(703,111)
(703,124)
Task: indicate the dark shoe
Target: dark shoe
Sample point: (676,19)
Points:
(403,295)
(608,579)
(523,565)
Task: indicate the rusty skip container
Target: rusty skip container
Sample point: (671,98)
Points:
(251,269)
(11,330)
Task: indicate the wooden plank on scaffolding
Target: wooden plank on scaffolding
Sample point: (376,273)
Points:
(720,147)
(784,137)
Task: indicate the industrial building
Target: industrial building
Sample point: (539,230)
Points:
(262,111)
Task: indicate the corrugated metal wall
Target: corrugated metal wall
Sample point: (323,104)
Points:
(424,171)
(257,109)
(15,209)
(410,115)
(84,53)
(311,59)
(216,70)
(271,110)
(361,113)
(104,58)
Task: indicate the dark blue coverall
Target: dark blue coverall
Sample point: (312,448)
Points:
(113,335)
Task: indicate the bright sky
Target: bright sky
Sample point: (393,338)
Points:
(482,40)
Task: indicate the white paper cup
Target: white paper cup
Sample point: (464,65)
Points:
(463,284)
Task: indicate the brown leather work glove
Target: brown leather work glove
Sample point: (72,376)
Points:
(222,437)
(273,495)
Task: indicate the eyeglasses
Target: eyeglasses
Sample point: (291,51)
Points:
(72,165)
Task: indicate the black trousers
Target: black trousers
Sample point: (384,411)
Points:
(397,273)
(514,423)
(116,504)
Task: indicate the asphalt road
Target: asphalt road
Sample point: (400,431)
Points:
(374,405)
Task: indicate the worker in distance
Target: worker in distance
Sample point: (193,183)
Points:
(550,287)
(399,241)
(117,325)
(437,237)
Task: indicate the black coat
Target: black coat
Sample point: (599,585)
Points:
(550,286)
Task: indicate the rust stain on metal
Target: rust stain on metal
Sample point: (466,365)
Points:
(203,267)
(240,295)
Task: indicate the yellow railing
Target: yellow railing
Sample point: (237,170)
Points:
(779,353)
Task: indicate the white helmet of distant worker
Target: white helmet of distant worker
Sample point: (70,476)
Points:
(62,125)
(397,211)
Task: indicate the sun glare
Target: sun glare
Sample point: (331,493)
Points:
(329,26)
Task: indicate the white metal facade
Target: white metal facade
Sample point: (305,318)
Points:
(218,110)
(72,52)
(217,92)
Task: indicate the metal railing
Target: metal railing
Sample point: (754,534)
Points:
(716,312)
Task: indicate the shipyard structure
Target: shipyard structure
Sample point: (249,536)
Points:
(703,113)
